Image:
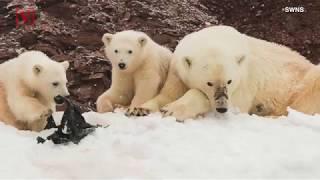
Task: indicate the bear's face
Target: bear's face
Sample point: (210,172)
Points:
(49,79)
(216,74)
(125,49)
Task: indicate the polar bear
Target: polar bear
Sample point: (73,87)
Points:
(139,70)
(29,87)
(219,68)
(307,98)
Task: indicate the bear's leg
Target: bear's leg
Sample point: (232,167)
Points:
(112,99)
(38,125)
(260,109)
(307,100)
(120,93)
(26,108)
(143,94)
(147,87)
(190,105)
(5,113)
(173,89)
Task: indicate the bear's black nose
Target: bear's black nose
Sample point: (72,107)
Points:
(59,99)
(221,110)
(122,65)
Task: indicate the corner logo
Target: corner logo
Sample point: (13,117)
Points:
(297,9)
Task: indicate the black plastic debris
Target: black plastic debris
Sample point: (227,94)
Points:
(73,126)
(50,123)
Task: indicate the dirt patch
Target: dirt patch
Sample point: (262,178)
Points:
(72,29)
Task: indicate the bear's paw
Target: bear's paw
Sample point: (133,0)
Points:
(180,111)
(137,111)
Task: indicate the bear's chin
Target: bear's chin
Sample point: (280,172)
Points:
(122,70)
(126,70)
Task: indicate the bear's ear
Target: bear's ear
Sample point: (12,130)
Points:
(187,62)
(106,38)
(142,41)
(37,69)
(240,59)
(65,64)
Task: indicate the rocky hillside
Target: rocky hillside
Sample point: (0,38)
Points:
(72,29)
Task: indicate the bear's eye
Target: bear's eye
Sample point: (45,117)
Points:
(229,82)
(130,52)
(209,84)
(55,84)
(116,51)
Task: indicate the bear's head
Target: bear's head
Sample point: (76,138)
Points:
(125,49)
(215,63)
(43,76)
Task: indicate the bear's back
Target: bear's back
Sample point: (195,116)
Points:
(221,38)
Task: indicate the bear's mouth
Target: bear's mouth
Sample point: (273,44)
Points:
(221,110)
(59,99)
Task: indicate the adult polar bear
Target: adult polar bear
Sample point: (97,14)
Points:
(218,67)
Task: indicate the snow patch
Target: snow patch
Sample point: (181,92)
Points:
(231,146)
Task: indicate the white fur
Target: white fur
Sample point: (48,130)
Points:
(263,74)
(30,92)
(307,97)
(145,72)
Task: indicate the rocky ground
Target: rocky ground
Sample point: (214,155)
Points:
(72,29)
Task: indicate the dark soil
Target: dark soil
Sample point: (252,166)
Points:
(72,30)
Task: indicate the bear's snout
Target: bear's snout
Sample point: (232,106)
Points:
(221,92)
(122,65)
(222,104)
(59,99)
(221,99)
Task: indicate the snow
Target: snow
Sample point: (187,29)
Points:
(229,146)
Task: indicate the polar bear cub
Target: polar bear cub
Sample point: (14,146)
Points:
(218,68)
(29,85)
(139,70)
